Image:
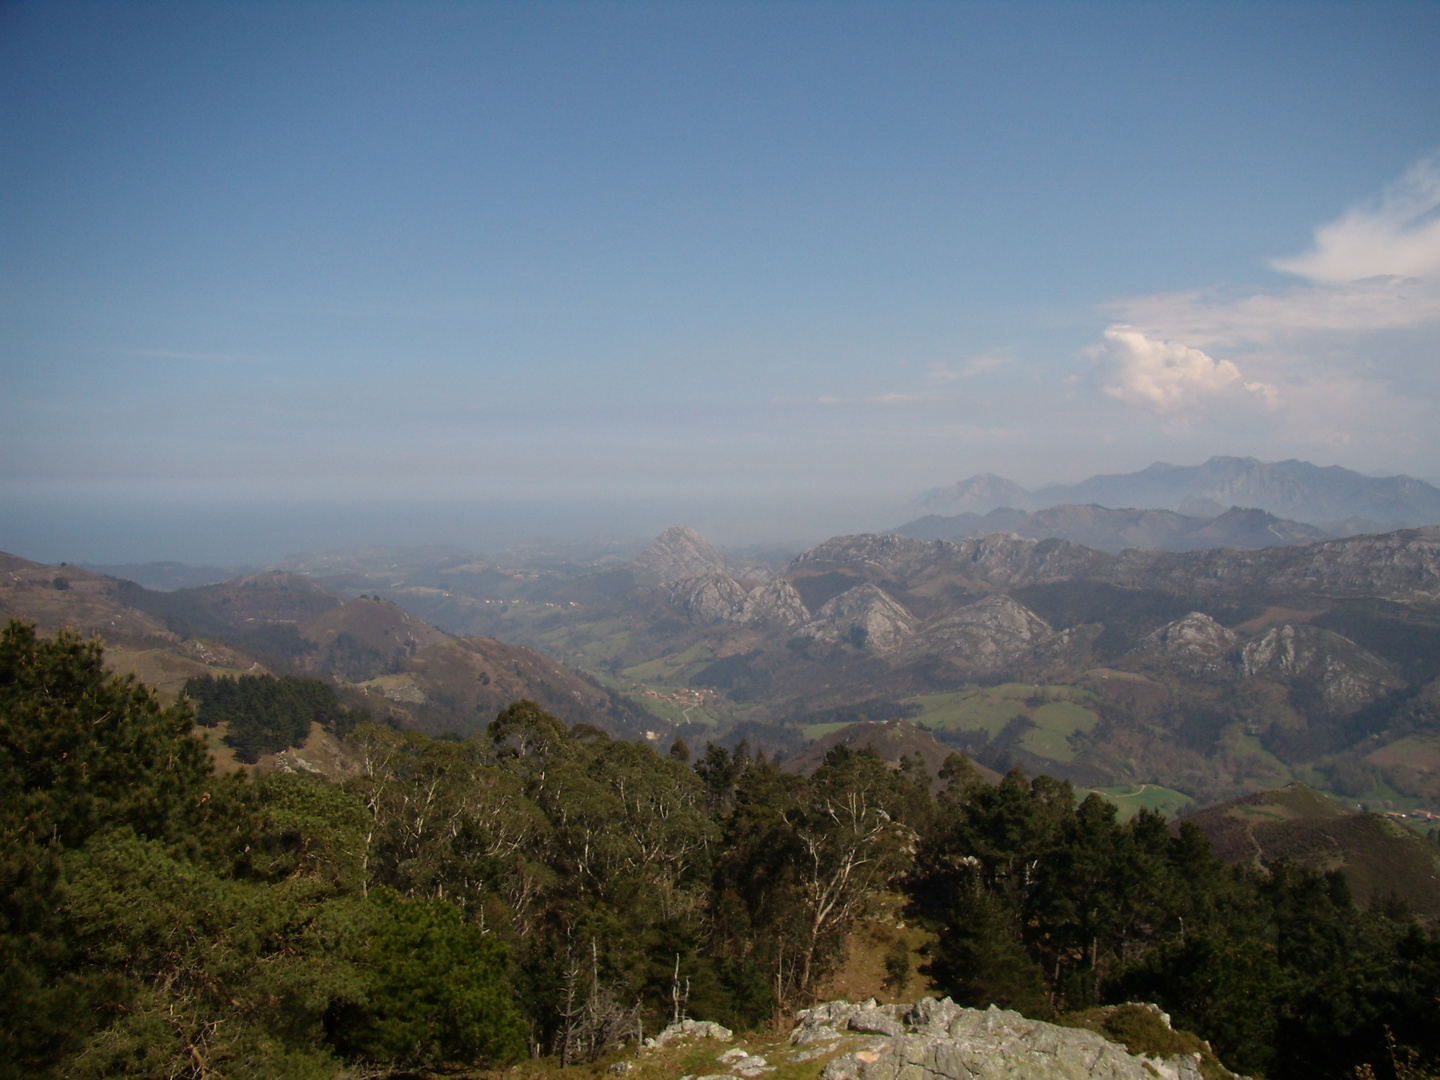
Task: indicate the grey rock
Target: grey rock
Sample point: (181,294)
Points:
(994,633)
(678,553)
(933,1015)
(1349,677)
(1196,643)
(775,602)
(874,1022)
(947,1042)
(691,1029)
(708,598)
(716,597)
(1403,566)
(866,617)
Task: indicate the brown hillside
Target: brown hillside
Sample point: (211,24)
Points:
(266,599)
(460,684)
(363,638)
(1295,822)
(136,643)
(56,596)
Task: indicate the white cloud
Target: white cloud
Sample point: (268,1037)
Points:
(898,399)
(1342,357)
(1167,375)
(1375,268)
(1214,317)
(940,372)
(1396,235)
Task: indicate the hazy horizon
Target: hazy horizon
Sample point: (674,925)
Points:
(278,278)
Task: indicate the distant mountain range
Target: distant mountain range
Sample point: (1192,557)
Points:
(1163,678)
(1339,501)
(1116,530)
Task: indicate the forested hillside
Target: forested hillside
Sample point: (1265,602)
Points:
(541,889)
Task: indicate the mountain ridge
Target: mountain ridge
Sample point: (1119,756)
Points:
(1297,490)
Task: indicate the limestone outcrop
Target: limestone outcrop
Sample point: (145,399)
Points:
(986,636)
(1348,676)
(716,597)
(1197,644)
(866,617)
(939,1040)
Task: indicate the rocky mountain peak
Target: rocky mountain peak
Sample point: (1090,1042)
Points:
(987,635)
(1196,643)
(677,553)
(979,494)
(864,616)
(1347,675)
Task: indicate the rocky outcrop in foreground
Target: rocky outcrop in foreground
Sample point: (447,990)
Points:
(939,1040)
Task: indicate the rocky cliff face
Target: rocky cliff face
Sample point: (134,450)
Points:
(1403,566)
(709,598)
(1000,559)
(1197,644)
(865,617)
(716,597)
(993,634)
(678,553)
(1348,676)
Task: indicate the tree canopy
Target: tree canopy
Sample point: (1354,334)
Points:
(550,890)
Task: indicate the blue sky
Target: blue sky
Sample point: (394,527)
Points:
(309,275)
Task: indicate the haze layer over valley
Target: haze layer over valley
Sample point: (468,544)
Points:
(1194,675)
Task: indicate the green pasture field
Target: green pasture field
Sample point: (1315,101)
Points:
(672,670)
(1133,798)
(1057,711)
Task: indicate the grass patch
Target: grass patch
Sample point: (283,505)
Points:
(1142,1029)
(1134,798)
(673,670)
(1054,724)
(1057,713)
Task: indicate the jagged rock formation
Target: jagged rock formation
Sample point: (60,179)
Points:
(684,1030)
(1196,643)
(716,597)
(709,598)
(1000,559)
(897,556)
(939,1040)
(987,636)
(1402,566)
(1348,676)
(776,603)
(865,617)
(678,553)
